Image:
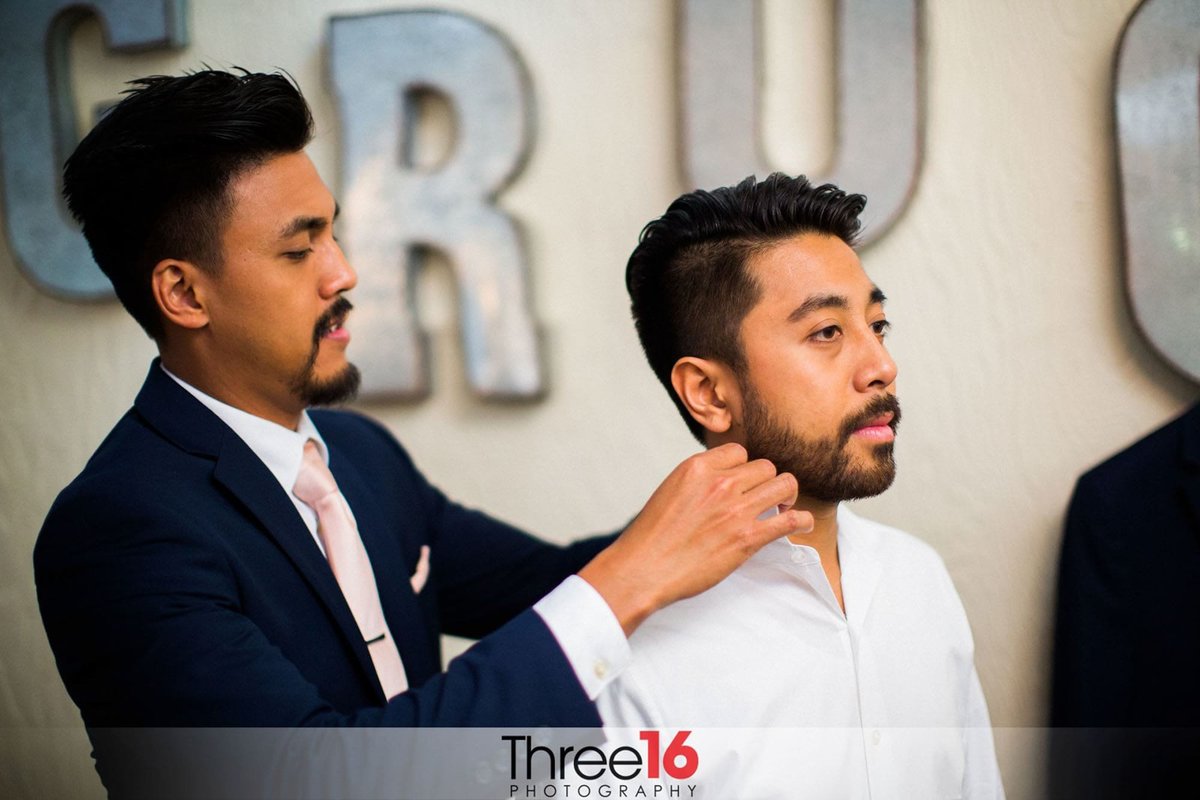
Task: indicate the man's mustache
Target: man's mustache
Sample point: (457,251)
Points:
(340,308)
(880,405)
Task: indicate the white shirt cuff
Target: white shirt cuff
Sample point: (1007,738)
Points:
(588,633)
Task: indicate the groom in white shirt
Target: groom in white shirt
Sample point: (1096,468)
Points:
(757,317)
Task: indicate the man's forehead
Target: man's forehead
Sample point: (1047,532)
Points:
(280,191)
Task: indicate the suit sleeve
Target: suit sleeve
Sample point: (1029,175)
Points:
(1093,662)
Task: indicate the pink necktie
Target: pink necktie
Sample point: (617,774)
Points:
(348,559)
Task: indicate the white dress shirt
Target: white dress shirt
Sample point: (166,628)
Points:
(582,622)
(788,697)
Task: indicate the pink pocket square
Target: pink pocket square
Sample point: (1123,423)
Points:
(421,574)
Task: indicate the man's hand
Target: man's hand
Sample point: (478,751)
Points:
(697,527)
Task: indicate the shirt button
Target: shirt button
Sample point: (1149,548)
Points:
(600,668)
(876,736)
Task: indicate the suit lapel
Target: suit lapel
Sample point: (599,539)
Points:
(392,570)
(184,420)
(241,472)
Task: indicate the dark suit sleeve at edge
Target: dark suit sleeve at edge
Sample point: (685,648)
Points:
(1092,657)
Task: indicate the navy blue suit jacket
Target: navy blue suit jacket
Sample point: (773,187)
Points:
(179,586)
(1127,643)
(1126,686)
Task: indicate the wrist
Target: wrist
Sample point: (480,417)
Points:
(631,600)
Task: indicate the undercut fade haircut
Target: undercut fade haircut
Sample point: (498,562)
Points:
(687,277)
(152,180)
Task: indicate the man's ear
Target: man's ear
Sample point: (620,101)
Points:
(709,391)
(178,288)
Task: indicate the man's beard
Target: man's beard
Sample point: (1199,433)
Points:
(822,466)
(337,389)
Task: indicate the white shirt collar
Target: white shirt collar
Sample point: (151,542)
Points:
(279,448)
(850,548)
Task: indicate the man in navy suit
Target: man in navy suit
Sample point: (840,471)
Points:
(182,579)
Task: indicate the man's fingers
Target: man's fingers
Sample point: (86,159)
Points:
(731,459)
(726,456)
(778,491)
(752,474)
(789,522)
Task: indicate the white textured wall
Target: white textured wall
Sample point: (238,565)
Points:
(1019,363)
